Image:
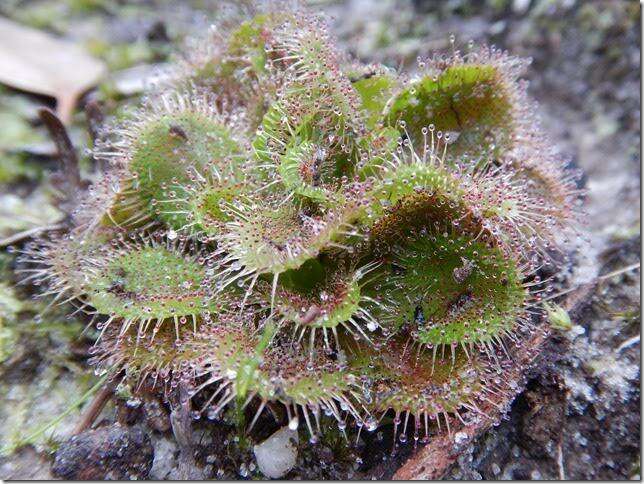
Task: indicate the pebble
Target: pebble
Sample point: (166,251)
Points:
(520,6)
(277,455)
(460,437)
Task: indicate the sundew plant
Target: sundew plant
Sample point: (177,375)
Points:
(283,225)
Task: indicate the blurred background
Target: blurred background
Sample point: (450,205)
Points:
(579,417)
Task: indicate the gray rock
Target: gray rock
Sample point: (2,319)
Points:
(113,452)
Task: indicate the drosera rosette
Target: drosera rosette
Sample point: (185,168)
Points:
(320,299)
(103,204)
(228,360)
(453,284)
(176,137)
(212,351)
(424,392)
(145,280)
(311,383)
(531,217)
(270,235)
(477,103)
(301,171)
(547,177)
(229,349)
(283,226)
(59,263)
(456,293)
(475,98)
(509,207)
(375,85)
(233,59)
(317,102)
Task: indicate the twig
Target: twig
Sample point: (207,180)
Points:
(592,283)
(560,462)
(25,234)
(628,343)
(67,180)
(98,403)
(181,422)
(619,272)
(66,151)
(95,118)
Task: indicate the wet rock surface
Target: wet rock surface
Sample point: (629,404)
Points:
(25,464)
(112,452)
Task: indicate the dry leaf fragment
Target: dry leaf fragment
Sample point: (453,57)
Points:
(37,62)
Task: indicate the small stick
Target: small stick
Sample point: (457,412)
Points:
(592,283)
(628,343)
(618,272)
(94,409)
(95,118)
(181,421)
(25,234)
(66,151)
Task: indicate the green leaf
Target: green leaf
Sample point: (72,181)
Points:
(374,93)
(467,101)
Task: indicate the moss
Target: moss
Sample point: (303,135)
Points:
(122,56)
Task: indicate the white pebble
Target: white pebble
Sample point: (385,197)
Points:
(276,456)
(460,437)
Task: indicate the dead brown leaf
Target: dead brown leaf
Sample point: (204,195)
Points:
(34,61)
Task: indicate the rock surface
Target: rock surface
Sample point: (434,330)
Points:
(108,453)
